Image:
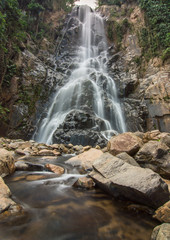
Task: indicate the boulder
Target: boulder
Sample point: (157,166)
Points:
(54,168)
(156,135)
(46,152)
(161,232)
(163,213)
(85,159)
(6,203)
(125,142)
(125,157)
(84,182)
(27,166)
(123,180)
(154,155)
(7,164)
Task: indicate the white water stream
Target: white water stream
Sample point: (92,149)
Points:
(89,80)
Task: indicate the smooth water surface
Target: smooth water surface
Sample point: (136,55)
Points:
(54,210)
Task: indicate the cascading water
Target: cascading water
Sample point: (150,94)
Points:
(89,96)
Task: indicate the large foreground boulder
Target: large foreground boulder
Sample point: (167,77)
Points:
(125,142)
(7,164)
(161,232)
(155,155)
(123,180)
(85,159)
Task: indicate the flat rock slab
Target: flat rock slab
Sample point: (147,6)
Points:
(125,142)
(123,180)
(85,159)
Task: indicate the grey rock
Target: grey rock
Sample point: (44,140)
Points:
(123,180)
(161,232)
(125,157)
(27,166)
(155,155)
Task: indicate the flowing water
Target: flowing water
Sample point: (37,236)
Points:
(89,85)
(54,210)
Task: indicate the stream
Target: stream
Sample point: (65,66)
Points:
(55,210)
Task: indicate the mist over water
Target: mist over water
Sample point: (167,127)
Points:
(89,86)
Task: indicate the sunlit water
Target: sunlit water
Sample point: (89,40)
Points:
(54,210)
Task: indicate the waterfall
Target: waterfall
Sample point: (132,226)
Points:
(89,88)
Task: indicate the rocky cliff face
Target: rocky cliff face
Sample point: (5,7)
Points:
(33,82)
(143,85)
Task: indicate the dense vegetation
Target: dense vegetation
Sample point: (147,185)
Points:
(18,19)
(154,38)
(21,20)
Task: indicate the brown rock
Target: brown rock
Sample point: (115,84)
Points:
(86,159)
(4,190)
(6,203)
(20,152)
(154,155)
(84,182)
(54,168)
(163,213)
(86,148)
(7,164)
(125,142)
(45,152)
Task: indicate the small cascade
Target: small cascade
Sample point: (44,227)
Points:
(88,91)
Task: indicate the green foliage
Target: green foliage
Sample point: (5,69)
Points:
(111,2)
(3,113)
(35,8)
(11,70)
(116,30)
(155,38)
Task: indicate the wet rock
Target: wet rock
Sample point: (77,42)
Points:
(163,213)
(54,168)
(125,157)
(155,155)
(123,180)
(46,152)
(7,165)
(78,128)
(27,166)
(125,142)
(34,177)
(161,232)
(84,182)
(20,152)
(86,148)
(6,203)
(86,159)
(140,208)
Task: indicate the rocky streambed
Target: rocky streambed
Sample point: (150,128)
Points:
(73,192)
